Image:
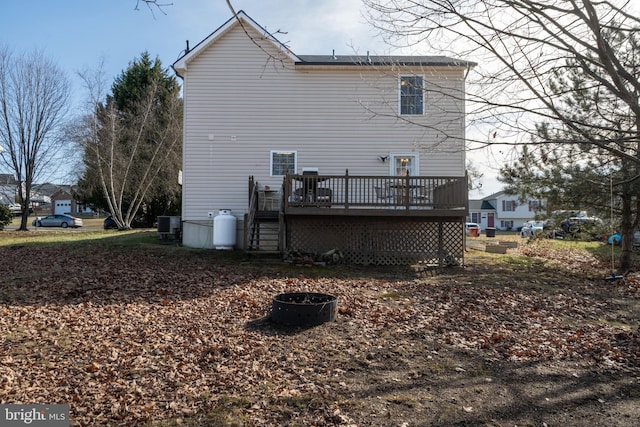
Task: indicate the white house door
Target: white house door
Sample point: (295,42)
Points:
(404,164)
(62,206)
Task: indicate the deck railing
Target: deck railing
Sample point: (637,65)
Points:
(375,192)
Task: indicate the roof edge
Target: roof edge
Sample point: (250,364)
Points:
(180,65)
(388,60)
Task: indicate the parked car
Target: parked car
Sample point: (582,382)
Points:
(532,228)
(472,229)
(109,223)
(15,209)
(59,220)
(138,222)
(576,224)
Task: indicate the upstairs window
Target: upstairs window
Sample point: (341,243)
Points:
(535,204)
(411,95)
(509,205)
(283,162)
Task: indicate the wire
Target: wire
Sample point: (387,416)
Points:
(612,228)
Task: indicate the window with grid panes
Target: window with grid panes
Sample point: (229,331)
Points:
(411,95)
(283,162)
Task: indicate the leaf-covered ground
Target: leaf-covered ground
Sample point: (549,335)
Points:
(167,336)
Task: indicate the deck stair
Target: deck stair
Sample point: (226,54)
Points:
(264,236)
(263,232)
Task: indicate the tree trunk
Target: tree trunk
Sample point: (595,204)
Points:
(24,220)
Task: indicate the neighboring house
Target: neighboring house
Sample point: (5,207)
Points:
(63,202)
(475,212)
(293,125)
(43,195)
(503,211)
(8,189)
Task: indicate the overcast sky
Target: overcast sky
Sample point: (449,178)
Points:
(80,34)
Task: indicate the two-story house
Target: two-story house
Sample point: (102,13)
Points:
(365,154)
(503,211)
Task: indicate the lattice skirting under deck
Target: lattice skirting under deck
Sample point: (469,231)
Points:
(370,240)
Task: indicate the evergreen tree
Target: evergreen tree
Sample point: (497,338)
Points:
(592,161)
(132,146)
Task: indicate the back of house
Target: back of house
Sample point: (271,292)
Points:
(252,108)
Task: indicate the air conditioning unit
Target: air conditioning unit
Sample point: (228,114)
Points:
(168,224)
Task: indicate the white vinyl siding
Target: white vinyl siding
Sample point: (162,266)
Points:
(334,118)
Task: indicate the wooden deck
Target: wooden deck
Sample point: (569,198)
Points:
(344,195)
(371,219)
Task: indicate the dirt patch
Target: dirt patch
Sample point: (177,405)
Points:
(175,337)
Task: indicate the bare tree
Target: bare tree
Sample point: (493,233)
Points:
(523,47)
(153,5)
(128,148)
(520,45)
(34,97)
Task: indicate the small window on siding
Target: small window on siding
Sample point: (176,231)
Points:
(283,162)
(509,205)
(411,95)
(535,204)
(506,224)
(404,164)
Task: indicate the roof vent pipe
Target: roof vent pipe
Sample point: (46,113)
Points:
(368,58)
(333,54)
(187,49)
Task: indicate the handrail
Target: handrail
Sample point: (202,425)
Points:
(392,192)
(251,214)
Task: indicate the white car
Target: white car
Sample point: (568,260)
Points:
(15,209)
(531,228)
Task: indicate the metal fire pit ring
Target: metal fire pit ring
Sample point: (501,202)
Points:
(304,308)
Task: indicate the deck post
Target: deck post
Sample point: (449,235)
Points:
(346,189)
(441,253)
(407,191)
